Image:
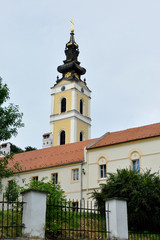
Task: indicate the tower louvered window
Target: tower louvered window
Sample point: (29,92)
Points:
(63,105)
(62,137)
(81,136)
(81,106)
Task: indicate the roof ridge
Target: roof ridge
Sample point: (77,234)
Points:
(64,145)
(130,134)
(97,140)
(134,127)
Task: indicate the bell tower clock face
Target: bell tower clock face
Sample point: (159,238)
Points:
(63,88)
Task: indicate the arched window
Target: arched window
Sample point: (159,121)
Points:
(102,167)
(81,136)
(63,105)
(62,137)
(81,106)
(135,157)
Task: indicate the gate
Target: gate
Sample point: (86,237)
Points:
(75,220)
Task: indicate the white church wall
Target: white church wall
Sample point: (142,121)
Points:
(116,157)
(119,156)
(70,187)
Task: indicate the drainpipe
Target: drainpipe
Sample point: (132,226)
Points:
(81,182)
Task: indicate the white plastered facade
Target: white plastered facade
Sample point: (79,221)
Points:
(117,156)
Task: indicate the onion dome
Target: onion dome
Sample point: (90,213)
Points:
(71,69)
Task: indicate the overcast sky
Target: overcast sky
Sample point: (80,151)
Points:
(119,43)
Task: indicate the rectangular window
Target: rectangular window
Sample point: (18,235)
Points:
(103,171)
(136,165)
(35,178)
(55,178)
(75,174)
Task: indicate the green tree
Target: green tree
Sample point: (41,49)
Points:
(10,121)
(29,148)
(55,191)
(55,195)
(12,191)
(15,149)
(10,117)
(142,192)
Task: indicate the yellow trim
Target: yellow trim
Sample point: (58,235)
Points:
(102,156)
(85,99)
(61,125)
(84,190)
(113,160)
(102,179)
(134,150)
(77,191)
(57,101)
(82,127)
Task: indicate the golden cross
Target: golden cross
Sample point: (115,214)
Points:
(72,29)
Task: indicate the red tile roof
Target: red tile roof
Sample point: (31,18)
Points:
(52,156)
(46,134)
(127,135)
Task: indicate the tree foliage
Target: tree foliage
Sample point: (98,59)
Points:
(55,191)
(4,170)
(29,148)
(10,117)
(142,192)
(12,191)
(10,121)
(15,149)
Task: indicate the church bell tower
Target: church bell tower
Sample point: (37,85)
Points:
(70,100)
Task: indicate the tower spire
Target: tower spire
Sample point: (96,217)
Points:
(72,29)
(71,69)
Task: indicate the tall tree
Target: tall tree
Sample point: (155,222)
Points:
(29,148)
(10,117)
(10,121)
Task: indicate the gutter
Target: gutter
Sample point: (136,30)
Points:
(81,183)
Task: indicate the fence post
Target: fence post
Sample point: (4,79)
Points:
(118,221)
(34,213)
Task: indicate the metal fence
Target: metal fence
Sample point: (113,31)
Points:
(145,229)
(75,220)
(11,218)
(144,235)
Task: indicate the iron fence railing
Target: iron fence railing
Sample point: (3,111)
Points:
(11,218)
(75,220)
(143,235)
(144,228)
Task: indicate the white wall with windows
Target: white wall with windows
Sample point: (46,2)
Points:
(68,176)
(138,155)
(89,174)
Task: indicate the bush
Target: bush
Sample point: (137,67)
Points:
(142,192)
